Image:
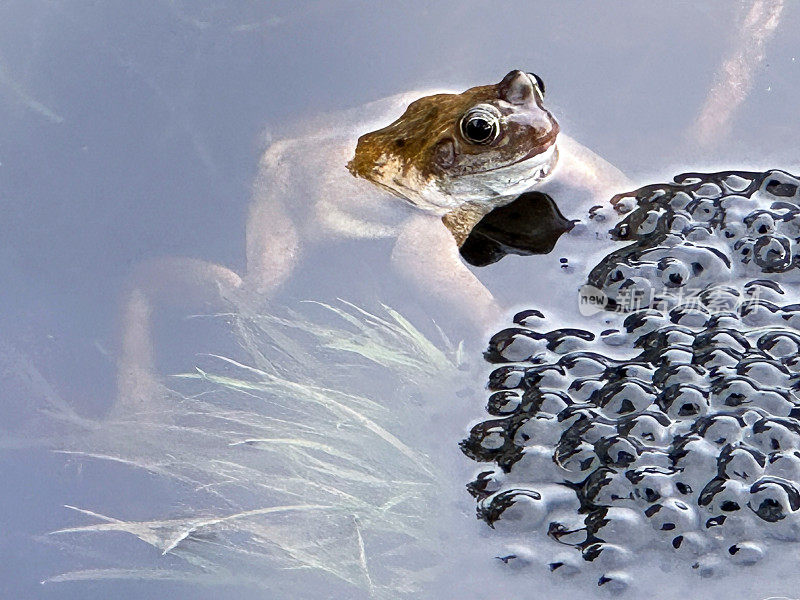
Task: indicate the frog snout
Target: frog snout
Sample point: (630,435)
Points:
(542,127)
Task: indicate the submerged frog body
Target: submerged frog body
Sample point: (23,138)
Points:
(671,424)
(450,158)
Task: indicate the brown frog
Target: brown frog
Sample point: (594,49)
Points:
(461,155)
(452,157)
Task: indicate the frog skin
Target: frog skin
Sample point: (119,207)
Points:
(425,181)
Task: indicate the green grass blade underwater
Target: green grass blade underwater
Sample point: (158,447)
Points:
(290,466)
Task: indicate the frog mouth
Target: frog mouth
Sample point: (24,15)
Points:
(544,156)
(544,149)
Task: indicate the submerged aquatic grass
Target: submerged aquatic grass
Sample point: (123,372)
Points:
(293,466)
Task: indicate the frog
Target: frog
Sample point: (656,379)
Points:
(428,180)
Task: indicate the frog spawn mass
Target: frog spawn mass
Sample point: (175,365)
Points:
(675,425)
(704,229)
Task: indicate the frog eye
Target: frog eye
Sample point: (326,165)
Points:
(537,81)
(480,125)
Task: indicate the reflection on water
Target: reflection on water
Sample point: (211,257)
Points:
(531,224)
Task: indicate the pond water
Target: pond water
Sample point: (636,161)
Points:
(133,131)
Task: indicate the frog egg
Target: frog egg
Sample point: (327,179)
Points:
(773,253)
(732,231)
(764,289)
(773,499)
(507,378)
(614,338)
(651,484)
(716,359)
(493,439)
(732,391)
(672,515)
(721,430)
(674,357)
(770,435)
(730,340)
(633,293)
(486,483)
(689,315)
(708,190)
(696,458)
(567,527)
(615,451)
(644,321)
(631,370)
(514,345)
(537,432)
(624,397)
(536,464)
(774,402)
(678,222)
(565,565)
(692,543)
(673,272)
(624,231)
(779,184)
(575,455)
(699,233)
(683,402)
(743,249)
(709,566)
(593,431)
(649,223)
(746,553)
(607,487)
(552,403)
(584,389)
(791,225)
(723,496)
(784,464)
(503,403)
(615,582)
(618,525)
(624,204)
(738,206)
(528,318)
(724,320)
(742,464)
(667,376)
(541,377)
(607,556)
(517,509)
(760,222)
(703,210)
(759,314)
(646,429)
(582,364)
(679,201)
(668,337)
(736,183)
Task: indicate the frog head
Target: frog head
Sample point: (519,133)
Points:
(475,150)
